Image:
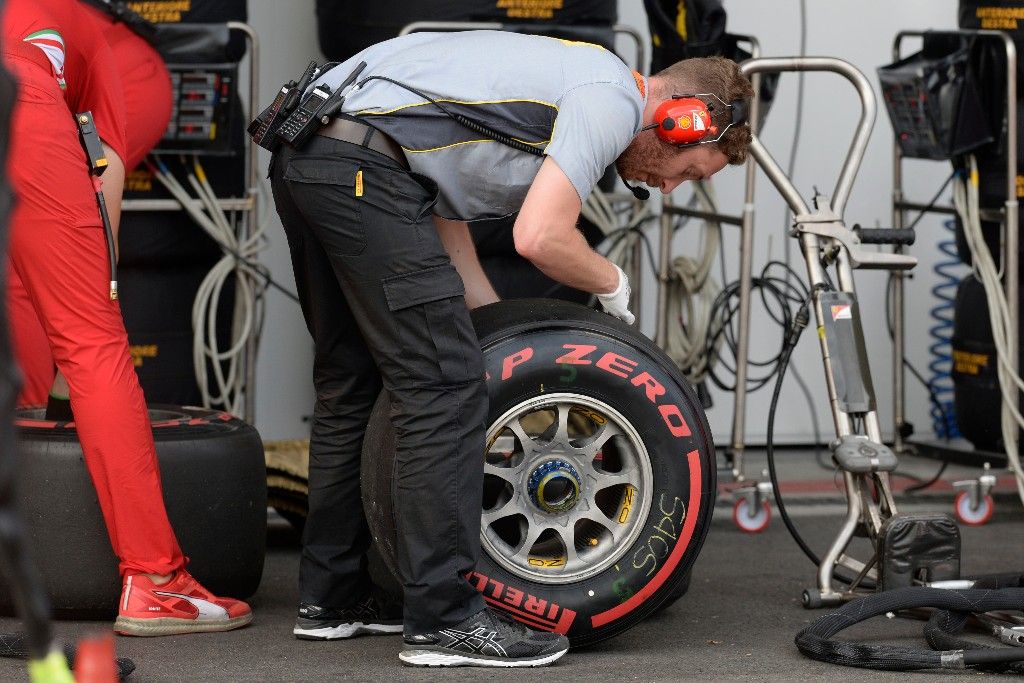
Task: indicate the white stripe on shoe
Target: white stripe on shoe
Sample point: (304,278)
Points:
(208,611)
(127,592)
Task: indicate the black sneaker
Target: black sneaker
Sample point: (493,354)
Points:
(370,616)
(485,639)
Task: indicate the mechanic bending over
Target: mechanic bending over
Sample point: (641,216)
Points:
(58,250)
(375,206)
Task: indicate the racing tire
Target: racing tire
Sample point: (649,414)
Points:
(214,482)
(618,465)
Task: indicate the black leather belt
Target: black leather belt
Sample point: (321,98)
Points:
(364,135)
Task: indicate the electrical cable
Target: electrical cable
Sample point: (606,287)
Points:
(250,281)
(966,200)
(777,294)
(690,294)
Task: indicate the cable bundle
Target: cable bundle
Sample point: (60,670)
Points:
(965,198)
(691,291)
(779,294)
(226,366)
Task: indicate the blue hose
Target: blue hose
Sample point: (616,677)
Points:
(941,332)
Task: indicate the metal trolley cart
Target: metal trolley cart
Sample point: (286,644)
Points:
(245,207)
(826,242)
(975,491)
(751,497)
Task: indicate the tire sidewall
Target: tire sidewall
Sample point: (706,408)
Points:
(604,364)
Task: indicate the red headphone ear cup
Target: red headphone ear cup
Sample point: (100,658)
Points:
(684,120)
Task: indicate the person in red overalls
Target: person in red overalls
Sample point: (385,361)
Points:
(146,94)
(58,250)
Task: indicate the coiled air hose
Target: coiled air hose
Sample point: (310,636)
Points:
(941,364)
(815,641)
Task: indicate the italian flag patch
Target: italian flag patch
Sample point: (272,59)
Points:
(52,44)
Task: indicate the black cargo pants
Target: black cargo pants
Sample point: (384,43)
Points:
(385,307)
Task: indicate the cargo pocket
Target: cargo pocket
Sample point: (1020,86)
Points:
(324,190)
(434,321)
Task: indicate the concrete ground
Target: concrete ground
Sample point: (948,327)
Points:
(736,623)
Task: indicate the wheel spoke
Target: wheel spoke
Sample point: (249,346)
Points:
(525,440)
(591,447)
(567,535)
(602,480)
(505,473)
(562,433)
(533,532)
(507,509)
(598,517)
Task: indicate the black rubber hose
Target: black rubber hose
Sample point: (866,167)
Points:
(944,627)
(815,641)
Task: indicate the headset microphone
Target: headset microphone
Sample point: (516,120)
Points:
(639,192)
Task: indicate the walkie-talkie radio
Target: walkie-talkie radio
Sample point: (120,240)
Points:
(264,127)
(305,119)
(315,111)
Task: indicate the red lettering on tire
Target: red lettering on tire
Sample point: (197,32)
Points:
(576,354)
(674,419)
(511,361)
(652,387)
(619,366)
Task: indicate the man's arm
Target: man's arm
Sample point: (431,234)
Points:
(459,243)
(546,234)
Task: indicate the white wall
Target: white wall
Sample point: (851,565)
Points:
(284,392)
(860,32)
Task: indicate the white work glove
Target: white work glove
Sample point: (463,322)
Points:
(617,302)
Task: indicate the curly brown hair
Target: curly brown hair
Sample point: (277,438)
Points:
(710,75)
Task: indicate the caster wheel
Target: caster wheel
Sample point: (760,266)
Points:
(812,599)
(751,521)
(973,517)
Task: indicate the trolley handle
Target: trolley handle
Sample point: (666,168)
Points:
(900,236)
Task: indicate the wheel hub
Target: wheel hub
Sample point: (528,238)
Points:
(554,486)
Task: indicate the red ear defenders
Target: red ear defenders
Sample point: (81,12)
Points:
(691,119)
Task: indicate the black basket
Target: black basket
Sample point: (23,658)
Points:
(933,101)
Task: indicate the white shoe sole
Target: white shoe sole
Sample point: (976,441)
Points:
(435,658)
(170,626)
(346,631)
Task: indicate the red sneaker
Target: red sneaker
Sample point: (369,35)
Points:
(181,605)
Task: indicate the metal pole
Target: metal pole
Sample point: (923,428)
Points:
(899,395)
(251,217)
(664,263)
(1012,237)
(739,414)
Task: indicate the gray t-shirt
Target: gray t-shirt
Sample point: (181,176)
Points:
(575,101)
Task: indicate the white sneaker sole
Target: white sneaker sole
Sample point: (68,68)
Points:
(346,631)
(435,658)
(170,626)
